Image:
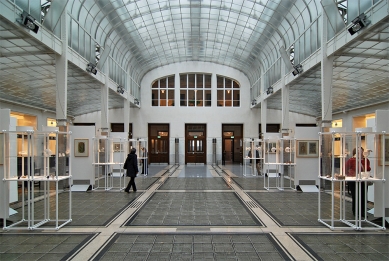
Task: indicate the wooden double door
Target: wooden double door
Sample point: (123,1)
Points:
(159,143)
(195,144)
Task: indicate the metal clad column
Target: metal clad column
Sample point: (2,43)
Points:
(104,104)
(214,151)
(326,77)
(285,103)
(177,151)
(61,70)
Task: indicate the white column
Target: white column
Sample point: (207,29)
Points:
(61,69)
(263,108)
(127,108)
(104,104)
(285,103)
(326,77)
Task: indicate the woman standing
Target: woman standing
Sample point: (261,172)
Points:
(131,165)
(352,169)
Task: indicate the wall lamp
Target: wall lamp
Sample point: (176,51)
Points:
(269,90)
(91,68)
(28,21)
(297,69)
(358,23)
(120,89)
(136,101)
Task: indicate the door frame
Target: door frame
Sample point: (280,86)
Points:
(204,143)
(151,136)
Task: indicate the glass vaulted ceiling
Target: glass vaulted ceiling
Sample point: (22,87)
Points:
(245,35)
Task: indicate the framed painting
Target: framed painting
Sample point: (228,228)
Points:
(81,147)
(307,148)
(117,147)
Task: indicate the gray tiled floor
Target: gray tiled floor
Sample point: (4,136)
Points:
(359,246)
(193,209)
(192,247)
(190,214)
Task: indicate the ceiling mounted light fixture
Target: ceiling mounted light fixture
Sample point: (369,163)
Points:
(91,68)
(358,23)
(120,89)
(297,69)
(28,21)
(269,90)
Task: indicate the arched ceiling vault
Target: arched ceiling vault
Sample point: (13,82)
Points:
(234,33)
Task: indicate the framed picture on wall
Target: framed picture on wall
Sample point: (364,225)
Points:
(307,148)
(81,147)
(117,147)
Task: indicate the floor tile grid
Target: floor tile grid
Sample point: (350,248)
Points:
(344,246)
(194,247)
(296,251)
(194,209)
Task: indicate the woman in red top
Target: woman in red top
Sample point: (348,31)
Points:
(351,170)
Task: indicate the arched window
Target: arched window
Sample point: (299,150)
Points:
(228,92)
(162,91)
(195,90)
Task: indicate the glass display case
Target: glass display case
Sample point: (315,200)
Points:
(349,163)
(280,159)
(141,147)
(109,155)
(38,158)
(253,157)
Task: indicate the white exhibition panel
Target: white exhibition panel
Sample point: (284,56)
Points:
(381,124)
(82,168)
(307,169)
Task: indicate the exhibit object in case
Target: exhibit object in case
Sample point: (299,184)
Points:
(342,166)
(280,160)
(253,157)
(109,155)
(42,159)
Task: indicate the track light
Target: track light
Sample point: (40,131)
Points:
(297,69)
(120,89)
(358,23)
(269,90)
(28,21)
(91,68)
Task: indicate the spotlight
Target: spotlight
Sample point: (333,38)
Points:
(28,21)
(297,69)
(358,23)
(120,89)
(136,101)
(254,102)
(91,68)
(269,90)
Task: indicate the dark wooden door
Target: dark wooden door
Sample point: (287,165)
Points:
(195,144)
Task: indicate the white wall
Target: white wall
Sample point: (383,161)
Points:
(177,116)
